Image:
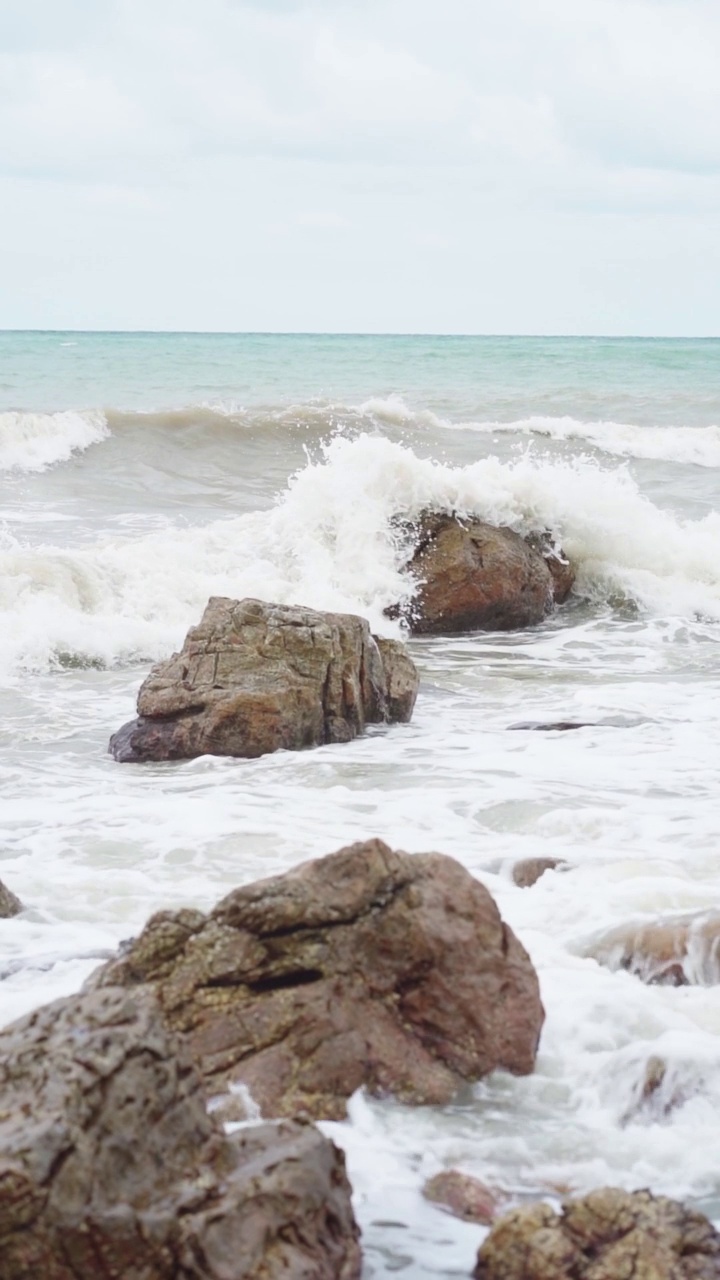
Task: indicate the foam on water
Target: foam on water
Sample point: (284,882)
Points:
(34,441)
(331,542)
(695,445)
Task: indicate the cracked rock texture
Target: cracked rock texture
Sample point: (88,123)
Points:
(254,677)
(367,967)
(9,904)
(111,1168)
(472,575)
(607,1235)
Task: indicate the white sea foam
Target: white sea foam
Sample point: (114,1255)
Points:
(698,445)
(330,542)
(393,410)
(34,441)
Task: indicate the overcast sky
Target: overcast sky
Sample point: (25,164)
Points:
(473,166)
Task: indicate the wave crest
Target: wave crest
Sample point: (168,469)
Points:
(34,441)
(331,542)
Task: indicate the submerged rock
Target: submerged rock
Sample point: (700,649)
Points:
(675,952)
(607,1235)
(10,905)
(111,1167)
(553,726)
(254,677)
(527,872)
(368,967)
(472,575)
(463,1196)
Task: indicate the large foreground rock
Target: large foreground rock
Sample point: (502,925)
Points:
(678,951)
(111,1169)
(472,575)
(254,677)
(10,905)
(368,967)
(607,1235)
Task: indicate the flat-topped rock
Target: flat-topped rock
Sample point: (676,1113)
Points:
(111,1167)
(368,967)
(254,677)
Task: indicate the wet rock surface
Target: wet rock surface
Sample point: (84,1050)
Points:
(607,1235)
(463,1196)
(111,1167)
(254,677)
(472,575)
(10,905)
(368,967)
(527,872)
(681,951)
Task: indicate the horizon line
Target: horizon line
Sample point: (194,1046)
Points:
(349,333)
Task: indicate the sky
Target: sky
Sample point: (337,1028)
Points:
(470,166)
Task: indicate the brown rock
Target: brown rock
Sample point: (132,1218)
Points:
(463,1196)
(254,677)
(607,1235)
(472,575)
(9,904)
(528,871)
(111,1167)
(674,952)
(368,967)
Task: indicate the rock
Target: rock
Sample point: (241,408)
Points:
(368,967)
(471,575)
(554,726)
(675,952)
(463,1196)
(528,871)
(254,677)
(607,1235)
(9,904)
(111,1167)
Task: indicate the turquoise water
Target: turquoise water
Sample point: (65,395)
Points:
(640,380)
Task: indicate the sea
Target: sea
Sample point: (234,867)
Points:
(141,473)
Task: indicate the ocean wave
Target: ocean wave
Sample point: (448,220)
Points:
(697,445)
(316,414)
(34,441)
(331,542)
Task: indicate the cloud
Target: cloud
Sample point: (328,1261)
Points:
(379,129)
(617,84)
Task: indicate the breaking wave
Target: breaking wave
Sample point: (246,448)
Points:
(696,445)
(34,441)
(331,541)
